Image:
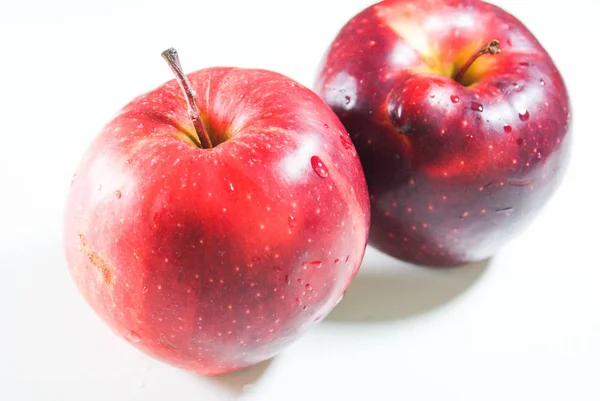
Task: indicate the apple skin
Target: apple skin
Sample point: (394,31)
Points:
(454,171)
(216,259)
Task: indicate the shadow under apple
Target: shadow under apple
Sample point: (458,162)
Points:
(242,381)
(387,289)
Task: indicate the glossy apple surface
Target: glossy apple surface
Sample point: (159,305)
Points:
(216,259)
(454,169)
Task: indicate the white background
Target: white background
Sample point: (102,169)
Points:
(524,327)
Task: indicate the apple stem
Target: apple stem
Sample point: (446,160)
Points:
(491,48)
(172,58)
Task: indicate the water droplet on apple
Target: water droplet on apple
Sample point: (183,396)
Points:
(326,126)
(507,129)
(524,115)
(542,82)
(336,261)
(317,264)
(308,287)
(305,307)
(319,167)
(475,106)
(504,210)
(145,289)
(292,221)
(118,194)
(300,281)
(454,98)
(520,183)
(346,142)
(298,301)
(539,155)
(231,188)
(347,99)
(133,337)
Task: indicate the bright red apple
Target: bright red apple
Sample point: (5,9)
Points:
(213,238)
(460,119)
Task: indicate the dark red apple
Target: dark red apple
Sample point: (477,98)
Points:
(212,239)
(460,119)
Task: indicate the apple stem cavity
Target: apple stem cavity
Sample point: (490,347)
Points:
(491,48)
(201,134)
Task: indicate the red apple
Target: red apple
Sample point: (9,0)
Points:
(460,119)
(212,239)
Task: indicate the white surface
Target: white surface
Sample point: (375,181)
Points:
(526,327)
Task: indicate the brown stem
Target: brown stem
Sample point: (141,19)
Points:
(491,48)
(172,58)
